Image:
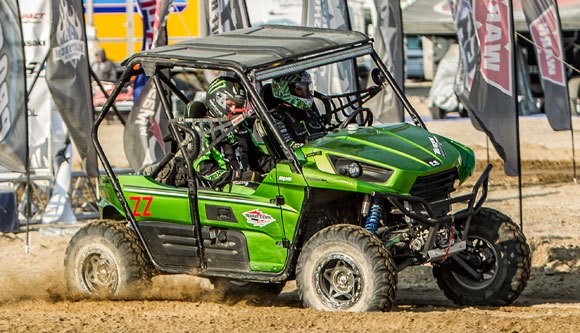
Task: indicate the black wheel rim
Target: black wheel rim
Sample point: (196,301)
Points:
(100,273)
(339,281)
(487,264)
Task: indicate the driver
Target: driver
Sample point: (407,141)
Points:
(296,115)
(237,159)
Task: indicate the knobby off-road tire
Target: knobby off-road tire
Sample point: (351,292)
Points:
(104,259)
(504,260)
(346,268)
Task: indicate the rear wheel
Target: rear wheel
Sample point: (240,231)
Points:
(105,259)
(495,267)
(346,268)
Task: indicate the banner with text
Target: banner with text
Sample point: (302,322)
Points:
(12,90)
(147,124)
(544,23)
(333,14)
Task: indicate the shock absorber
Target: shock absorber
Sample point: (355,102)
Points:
(374,217)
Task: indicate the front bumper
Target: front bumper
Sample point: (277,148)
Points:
(423,212)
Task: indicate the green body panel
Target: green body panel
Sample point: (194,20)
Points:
(160,202)
(406,150)
(403,148)
(291,186)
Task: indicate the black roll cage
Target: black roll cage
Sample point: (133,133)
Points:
(153,65)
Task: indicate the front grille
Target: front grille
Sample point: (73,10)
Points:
(435,187)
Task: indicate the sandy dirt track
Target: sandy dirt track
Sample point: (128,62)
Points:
(33,297)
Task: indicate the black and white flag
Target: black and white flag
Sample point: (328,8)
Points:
(13,150)
(68,78)
(332,14)
(227,15)
(389,46)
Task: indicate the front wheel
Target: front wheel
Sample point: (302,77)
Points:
(105,259)
(495,267)
(346,268)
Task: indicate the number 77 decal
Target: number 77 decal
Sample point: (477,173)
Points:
(137,200)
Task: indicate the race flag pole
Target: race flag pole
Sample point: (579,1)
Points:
(570,66)
(27,140)
(517,110)
(574,179)
(487,148)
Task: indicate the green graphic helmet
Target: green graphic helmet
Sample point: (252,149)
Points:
(294,89)
(224,95)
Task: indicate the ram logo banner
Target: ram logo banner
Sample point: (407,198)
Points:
(12,90)
(467,42)
(67,70)
(71,48)
(257,218)
(545,31)
(485,79)
(544,22)
(493,27)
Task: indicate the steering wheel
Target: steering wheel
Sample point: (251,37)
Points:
(367,119)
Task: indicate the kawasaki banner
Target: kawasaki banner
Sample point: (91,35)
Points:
(544,22)
(389,46)
(12,90)
(35,17)
(67,75)
(485,34)
(333,14)
(144,132)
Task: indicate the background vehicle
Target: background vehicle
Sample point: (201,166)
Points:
(341,215)
(414,58)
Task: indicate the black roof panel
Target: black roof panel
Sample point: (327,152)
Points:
(255,47)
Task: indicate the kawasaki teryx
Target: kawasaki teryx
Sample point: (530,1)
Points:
(340,215)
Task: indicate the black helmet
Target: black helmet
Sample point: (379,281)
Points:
(223,95)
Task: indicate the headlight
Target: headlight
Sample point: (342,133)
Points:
(359,170)
(353,170)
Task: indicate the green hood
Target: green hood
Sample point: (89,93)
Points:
(399,146)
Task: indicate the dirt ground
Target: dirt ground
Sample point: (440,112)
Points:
(33,297)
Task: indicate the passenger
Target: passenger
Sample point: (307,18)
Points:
(237,159)
(296,115)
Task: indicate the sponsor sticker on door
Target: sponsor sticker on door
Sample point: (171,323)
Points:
(257,218)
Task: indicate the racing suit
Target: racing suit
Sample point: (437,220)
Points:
(298,126)
(237,159)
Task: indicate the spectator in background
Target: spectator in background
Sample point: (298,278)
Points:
(104,68)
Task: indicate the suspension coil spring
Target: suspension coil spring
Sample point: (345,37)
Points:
(372,220)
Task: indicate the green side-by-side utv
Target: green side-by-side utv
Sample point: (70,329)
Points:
(341,215)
